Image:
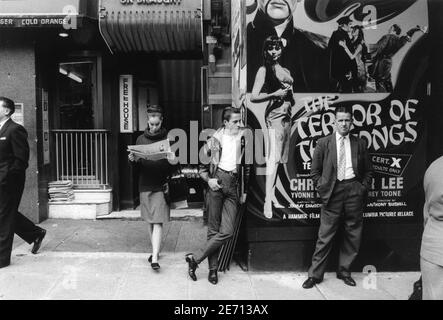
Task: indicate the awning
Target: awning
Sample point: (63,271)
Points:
(152,26)
(40,13)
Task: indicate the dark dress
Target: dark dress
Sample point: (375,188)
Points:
(278,111)
(153,176)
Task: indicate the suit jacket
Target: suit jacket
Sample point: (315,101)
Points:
(14,153)
(213,151)
(324,165)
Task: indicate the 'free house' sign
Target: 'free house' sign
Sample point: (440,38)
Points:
(126,99)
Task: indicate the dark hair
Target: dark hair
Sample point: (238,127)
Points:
(360,36)
(271,41)
(154,108)
(397,29)
(8,104)
(344,20)
(343,109)
(228,111)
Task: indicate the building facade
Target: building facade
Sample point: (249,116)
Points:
(82,73)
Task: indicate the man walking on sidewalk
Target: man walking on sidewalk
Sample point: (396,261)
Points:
(223,178)
(14,156)
(341,171)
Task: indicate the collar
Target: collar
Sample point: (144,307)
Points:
(281,28)
(338,136)
(264,25)
(2,123)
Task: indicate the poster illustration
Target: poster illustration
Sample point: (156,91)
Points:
(305,58)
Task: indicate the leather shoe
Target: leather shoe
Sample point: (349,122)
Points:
(192,265)
(347,280)
(310,282)
(212,277)
(38,241)
(155,266)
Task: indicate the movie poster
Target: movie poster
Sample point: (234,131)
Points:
(305,58)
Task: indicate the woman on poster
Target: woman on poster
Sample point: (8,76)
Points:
(153,177)
(274,83)
(357,53)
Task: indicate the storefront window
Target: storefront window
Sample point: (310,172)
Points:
(77,98)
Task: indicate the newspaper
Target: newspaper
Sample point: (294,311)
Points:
(154,151)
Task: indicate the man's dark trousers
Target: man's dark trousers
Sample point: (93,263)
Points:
(345,204)
(222,209)
(12,221)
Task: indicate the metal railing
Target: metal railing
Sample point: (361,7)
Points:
(82,157)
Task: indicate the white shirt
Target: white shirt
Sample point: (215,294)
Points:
(230,149)
(349,172)
(3,122)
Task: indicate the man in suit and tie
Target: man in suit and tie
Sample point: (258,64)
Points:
(341,171)
(14,156)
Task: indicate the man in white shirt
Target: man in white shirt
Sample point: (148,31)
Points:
(342,172)
(224,197)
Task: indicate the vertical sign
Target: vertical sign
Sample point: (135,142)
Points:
(126,103)
(45,129)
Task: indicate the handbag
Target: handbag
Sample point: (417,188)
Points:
(177,194)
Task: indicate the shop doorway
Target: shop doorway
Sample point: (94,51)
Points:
(81,142)
(176,86)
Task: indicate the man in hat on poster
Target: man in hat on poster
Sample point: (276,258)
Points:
(340,62)
(386,49)
(305,55)
(14,156)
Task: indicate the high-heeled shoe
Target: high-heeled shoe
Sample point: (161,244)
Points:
(155,266)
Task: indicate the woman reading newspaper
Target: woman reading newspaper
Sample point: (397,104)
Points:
(153,176)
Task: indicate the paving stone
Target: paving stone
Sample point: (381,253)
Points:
(282,286)
(335,289)
(85,286)
(23,286)
(399,284)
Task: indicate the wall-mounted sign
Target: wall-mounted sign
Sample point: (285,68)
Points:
(27,22)
(150,2)
(43,13)
(126,103)
(45,129)
(379,80)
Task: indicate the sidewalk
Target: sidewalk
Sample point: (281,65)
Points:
(107,259)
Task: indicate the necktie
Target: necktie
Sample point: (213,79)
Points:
(341,160)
